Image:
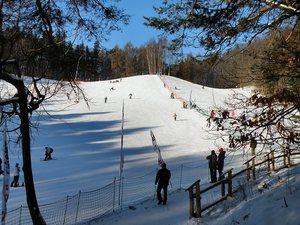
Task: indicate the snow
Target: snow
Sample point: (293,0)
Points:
(86,142)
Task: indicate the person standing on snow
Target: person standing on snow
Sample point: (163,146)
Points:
(221,158)
(15,182)
(162,179)
(212,163)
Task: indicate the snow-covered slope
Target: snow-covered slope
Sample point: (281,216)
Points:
(87,140)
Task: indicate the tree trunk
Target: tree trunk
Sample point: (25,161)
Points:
(36,216)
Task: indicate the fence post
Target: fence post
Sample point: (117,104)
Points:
(268,162)
(20,217)
(194,187)
(273,160)
(248,172)
(289,156)
(222,186)
(191,202)
(284,157)
(252,159)
(230,183)
(114,195)
(65,214)
(122,192)
(79,193)
(253,168)
(198,202)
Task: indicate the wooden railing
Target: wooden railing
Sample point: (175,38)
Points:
(195,207)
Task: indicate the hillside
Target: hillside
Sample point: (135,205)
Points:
(86,139)
(89,137)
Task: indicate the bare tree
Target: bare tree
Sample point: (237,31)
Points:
(156,53)
(217,27)
(27,29)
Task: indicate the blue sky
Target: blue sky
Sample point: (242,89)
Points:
(136,32)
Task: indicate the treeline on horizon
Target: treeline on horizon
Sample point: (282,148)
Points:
(63,61)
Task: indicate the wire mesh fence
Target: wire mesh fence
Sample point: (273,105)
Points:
(86,206)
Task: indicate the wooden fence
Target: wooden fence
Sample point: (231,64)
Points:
(195,208)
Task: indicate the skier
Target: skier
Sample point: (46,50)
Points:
(15,182)
(130,96)
(225,114)
(48,152)
(175,116)
(208,122)
(221,158)
(212,163)
(212,114)
(162,179)
(105,99)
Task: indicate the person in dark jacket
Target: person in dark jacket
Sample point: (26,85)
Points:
(212,163)
(48,152)
(162,179)
(221,158)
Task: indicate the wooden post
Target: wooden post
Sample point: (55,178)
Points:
(273,160)
(230,183)
(198,202)
(248,171)
(194,187)
(289,157)
(191,194)
(253,168)
(223,188)
(284,157)
(268,162)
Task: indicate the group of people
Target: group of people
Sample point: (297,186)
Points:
(162,180)
(105,98)
(224,115)
(216,163)
(17,170)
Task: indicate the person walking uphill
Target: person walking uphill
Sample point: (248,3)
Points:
(162,179)
(212,163)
